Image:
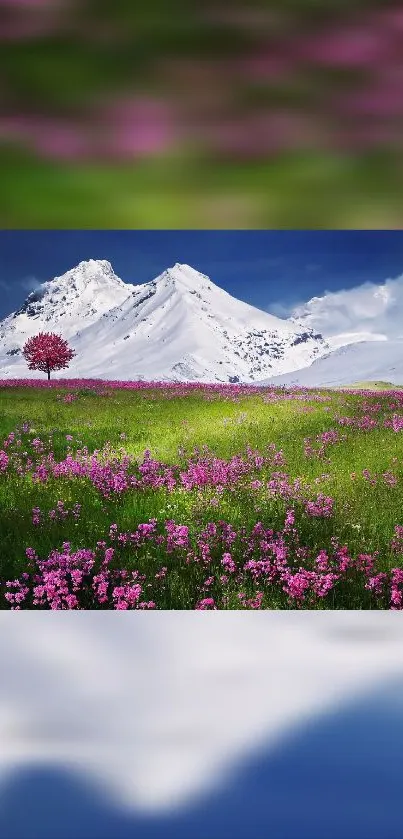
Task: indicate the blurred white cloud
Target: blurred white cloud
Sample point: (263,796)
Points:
(30,283)
(161,706)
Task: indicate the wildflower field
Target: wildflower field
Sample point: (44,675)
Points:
(119,495)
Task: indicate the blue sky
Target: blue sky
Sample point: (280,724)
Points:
(273,270)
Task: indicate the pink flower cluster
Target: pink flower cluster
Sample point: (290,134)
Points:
(396,423)
(327,438)
(322,507)
(110,475)
(59,513)
(66,580)
(3,460)
(363,423)
(254,563)
(70,397)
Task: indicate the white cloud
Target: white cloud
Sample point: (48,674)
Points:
(280,309)
(30,283)
(284,308)
(368,309)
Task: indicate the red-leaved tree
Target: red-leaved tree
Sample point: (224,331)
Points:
(47,352)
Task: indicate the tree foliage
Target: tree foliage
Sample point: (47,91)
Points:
(47,351)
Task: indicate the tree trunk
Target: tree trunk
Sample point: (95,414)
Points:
(48,374)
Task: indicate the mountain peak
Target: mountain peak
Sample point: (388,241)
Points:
(183,266)
(88,272)
(103,263)
(182,269)
(92,267)
(95,264)
(186,276)
(89,289)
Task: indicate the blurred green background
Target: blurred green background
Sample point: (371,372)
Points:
(178,115)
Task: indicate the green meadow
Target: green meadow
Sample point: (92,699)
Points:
(360,472)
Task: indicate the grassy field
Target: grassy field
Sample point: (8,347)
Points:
(181,497)
(371,386)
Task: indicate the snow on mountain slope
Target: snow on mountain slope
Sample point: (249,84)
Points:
(179,326)
(365,361)
(344,338)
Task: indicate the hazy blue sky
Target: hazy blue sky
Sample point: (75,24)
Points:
(273,270)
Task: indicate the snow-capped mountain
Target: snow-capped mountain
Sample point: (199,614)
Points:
(362,361)
(179,326)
